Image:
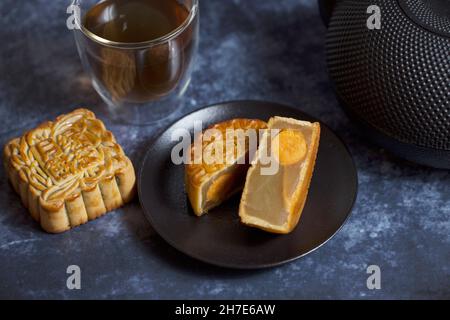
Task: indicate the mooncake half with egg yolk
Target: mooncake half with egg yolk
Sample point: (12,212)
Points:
(274,202)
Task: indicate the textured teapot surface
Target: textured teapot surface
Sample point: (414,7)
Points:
(394,78)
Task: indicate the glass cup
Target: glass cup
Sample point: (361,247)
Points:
(141,82)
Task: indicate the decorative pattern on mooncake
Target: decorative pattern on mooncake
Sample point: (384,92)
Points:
(69,171)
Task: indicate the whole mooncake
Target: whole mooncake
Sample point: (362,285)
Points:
(69,171)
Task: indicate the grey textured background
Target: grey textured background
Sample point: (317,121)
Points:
(249,49)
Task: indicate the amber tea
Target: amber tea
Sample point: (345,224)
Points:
(157,63)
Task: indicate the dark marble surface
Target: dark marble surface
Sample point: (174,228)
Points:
(249,49)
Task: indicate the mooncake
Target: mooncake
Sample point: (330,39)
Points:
(211,180)
(274,202)
(69,171)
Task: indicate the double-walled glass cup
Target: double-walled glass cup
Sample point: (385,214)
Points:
(141,82)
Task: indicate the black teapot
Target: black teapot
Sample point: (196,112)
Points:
(389,61)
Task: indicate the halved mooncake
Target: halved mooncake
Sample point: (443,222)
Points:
(219,162)
(274,201)
(69,171)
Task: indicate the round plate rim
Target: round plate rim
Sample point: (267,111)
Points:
(231,265)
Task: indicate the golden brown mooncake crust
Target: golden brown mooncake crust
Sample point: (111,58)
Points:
(69,171)
(201,175)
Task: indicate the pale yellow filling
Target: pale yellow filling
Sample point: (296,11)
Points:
(219,187)
(269,196)
(226,185)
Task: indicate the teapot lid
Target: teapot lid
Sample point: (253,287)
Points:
(433,15)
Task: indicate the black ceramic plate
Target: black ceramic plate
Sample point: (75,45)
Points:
(218,237)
